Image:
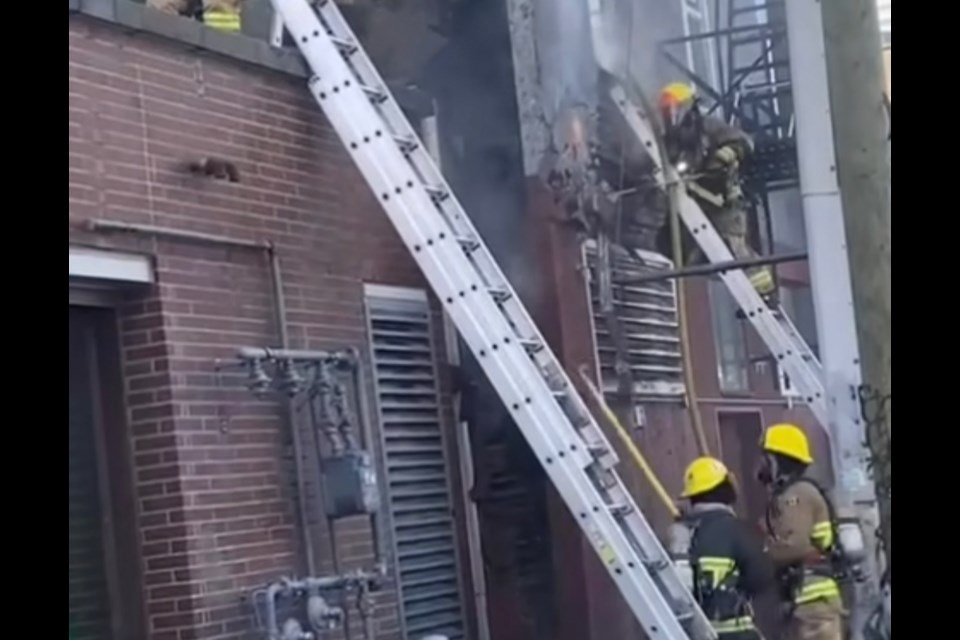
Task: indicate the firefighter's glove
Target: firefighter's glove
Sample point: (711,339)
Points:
(683,509)
(726,156)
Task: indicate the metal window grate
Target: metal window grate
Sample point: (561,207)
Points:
(417,469)
(648,312)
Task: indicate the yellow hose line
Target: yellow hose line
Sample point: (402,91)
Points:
(629,444)
(677,249)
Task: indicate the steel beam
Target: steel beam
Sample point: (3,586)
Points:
(717,267)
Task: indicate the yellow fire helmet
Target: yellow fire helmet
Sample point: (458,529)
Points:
(676,101)
(676,94)
(704,474)
(787,440)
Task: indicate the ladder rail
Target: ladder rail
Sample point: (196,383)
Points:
(774,327)
(477,333)
(604,509)
(523,325)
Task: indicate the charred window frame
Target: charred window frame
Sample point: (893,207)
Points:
(649,315)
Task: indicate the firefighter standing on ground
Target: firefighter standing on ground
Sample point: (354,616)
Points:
(801,538)
(711,151)
(726,557)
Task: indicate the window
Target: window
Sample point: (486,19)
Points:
(90,606)
(648,313)
(730,343)
(797,302)
(415,463)
(785,209)
(106,598)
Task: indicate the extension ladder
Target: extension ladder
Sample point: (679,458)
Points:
(774,327)
(527,376)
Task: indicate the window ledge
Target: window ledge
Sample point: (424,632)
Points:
(137,17)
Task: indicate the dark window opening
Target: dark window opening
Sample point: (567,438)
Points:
(105,588)
(89,599)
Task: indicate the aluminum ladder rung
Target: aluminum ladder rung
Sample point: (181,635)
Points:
(406,144)
(492,321)
(437,192)
(375,94)
(799,343)
(784,342)
(468,244)
(531,344)
(347,46)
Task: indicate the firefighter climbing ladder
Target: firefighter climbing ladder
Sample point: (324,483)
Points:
(773,325)
(489,316)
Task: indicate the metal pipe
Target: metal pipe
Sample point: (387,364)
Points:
(326,583)
(265,353)
(717,267)
(273,591)
(107,226)
(335,558)
(378,524)
(302,508)
(705,400)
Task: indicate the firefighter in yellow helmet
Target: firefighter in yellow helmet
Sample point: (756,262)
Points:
(725,555)
(709,153)
(802,537)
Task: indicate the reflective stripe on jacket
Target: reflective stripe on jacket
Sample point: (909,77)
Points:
(801,538)
(222,20)
(729,567)
(734,625)
(817,588)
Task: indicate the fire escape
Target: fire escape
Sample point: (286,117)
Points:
(735,53)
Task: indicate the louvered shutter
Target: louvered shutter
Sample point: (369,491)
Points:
(417,469)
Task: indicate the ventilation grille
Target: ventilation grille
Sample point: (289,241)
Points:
(419,493)
(648,315)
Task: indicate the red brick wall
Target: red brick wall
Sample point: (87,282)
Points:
(215,487)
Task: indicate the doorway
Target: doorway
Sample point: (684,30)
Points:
(105,589)
(740,433)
